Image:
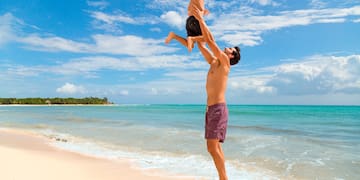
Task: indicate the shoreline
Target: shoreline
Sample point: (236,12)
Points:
(253,105)
(10,105)
(34,157)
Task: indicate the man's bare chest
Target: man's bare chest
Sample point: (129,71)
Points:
(214,66)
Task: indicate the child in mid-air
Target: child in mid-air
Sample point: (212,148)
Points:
(192,26)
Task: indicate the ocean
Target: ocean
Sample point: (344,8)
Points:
(263,142)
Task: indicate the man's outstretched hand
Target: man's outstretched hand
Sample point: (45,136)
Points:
(197,13)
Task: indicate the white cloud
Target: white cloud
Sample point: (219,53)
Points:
(125,45)
(155,29)
(154,91)
(250,24)
(317,4)
(311,76)
(318,75)
(173,19)
(189,76)
(252,84)
(112,22)
(265,2)
(248,29)
(6,32)
(356,21)
(53,43)
(331,20)
(111,19)
(99,4)
(24,71)
(69,88)
(171,87)
(164,5)
(124,92)
(130,45)
(89,66)
(315,76)
(246,38)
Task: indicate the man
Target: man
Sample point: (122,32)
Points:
(192,26)
(216,117)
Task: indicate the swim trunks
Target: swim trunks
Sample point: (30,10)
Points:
(193,26)
(216,119)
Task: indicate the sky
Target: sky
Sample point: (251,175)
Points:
(293,52)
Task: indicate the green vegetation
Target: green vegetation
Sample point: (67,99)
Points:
(87,100)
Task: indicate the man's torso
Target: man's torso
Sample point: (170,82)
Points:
(216,82)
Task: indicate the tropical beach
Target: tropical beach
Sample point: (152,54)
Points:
(179,89)
(25,155)
(263,142)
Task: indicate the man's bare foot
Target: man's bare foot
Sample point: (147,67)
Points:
(169,38)
(190,44)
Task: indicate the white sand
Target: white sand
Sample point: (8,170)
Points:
(24,156)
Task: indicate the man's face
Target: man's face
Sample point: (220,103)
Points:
(229,52)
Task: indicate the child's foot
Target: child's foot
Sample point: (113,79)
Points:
(169,38)
(190,44)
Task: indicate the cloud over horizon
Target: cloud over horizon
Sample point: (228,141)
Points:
(69,88)
(313,75)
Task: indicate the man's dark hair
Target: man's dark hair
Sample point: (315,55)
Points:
(237,56)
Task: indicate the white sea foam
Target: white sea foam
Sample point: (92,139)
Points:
(198,166)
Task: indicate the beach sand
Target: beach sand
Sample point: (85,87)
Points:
(26,156)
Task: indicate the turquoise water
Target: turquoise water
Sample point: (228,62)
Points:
(263,142)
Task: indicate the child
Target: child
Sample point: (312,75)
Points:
(192,26)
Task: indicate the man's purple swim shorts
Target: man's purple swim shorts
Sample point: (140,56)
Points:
(216,119)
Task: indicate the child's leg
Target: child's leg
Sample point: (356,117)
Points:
(198,4)
(197,38)
(191,41)
(172,35)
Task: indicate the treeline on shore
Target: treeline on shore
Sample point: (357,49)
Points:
(87,100)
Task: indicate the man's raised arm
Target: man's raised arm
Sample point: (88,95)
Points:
(208,37)
(205,52)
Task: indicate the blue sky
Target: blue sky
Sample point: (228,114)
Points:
(293,52)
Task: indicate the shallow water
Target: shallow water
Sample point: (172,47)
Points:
(263,142)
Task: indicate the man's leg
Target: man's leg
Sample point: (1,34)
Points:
(214,148)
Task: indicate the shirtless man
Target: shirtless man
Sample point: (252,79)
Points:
(216,117)
(192,26)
